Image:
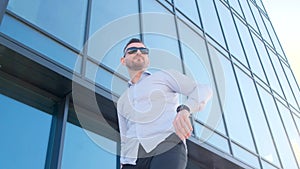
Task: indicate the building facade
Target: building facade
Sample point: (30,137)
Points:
(61,77)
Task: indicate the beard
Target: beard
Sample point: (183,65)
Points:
(137,64)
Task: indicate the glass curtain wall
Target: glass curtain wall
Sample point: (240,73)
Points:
(231,45)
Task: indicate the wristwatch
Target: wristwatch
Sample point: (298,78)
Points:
(183,107)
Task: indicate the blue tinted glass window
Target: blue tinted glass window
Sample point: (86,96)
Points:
(247,12)
(105,79)
(105,12)
(208,136)
(260,23)
(25,134)
(264,57)
(40,43)
(110,24)
(236,6)
(154,6)
(290,126)
(197,67)
(293,83)
(250,50)
(273,36)
(164,52)
(189,9)
(282,78)
(234,113)
(258,121)
(244,155)
(210,20)
(81,151)
(64,19)
(277,129)
(232,38)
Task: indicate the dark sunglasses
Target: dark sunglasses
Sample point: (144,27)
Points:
(133,50)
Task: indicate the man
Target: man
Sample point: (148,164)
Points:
(153,126)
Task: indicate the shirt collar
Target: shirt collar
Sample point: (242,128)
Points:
(145,73)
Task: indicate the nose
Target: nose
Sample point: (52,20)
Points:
(138,51)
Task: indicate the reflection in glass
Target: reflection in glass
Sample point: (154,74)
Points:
(232,38)
(25,134)
(249,17)
(277,129)
(212,138)
(60,23)
(260,128)
(290,126)
(104,78)
(282,78)
(210,20)
(250,50)
(80,151)
(198,70)
(236,6)
(164,52)
(272,79)
(45,46)
(105,12)
(234,113)
(260,23)
(110,25)
(273,36)
(244,155)
(293,84)
(189,9)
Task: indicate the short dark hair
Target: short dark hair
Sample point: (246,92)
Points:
(133,40)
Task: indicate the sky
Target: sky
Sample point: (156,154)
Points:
(284,15)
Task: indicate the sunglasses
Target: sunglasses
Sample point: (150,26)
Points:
(133,50)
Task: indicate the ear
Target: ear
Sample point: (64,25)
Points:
(122,60)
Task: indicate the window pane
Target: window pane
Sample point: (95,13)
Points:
(236,6)
(197,66)
(105,12)
(45,46)
(234,113)
(189,9)
(267,66)
(282,78)
(257,118)
(80,151)
(248,14)
(110,24)
(250,50)
(164,52)
(273,36)
(278,131)
(200,72)
(230,32)
(208,136)
(25,134)
(290,126)
(104,78)
(293,84)
(210,20)
(60,23)
(245,156)
(260,23)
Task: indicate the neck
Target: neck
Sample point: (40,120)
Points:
(135,75)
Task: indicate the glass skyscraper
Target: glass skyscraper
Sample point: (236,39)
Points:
(60,78)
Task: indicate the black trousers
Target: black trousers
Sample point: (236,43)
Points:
(170,154)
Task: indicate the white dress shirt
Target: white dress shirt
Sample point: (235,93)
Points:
(147,109)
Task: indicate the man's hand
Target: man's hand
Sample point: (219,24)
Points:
(182,125)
